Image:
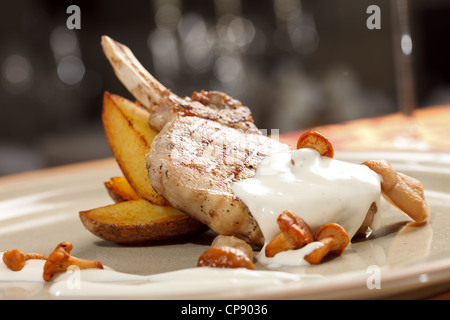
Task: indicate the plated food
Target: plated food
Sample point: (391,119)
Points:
(198,163)
(206,157)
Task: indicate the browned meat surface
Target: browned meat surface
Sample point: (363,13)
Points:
(211,105)
(193,162)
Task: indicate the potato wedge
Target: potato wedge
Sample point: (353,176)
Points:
(130,137)
(138,221)
(119,189)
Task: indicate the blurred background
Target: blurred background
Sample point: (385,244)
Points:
(295,63)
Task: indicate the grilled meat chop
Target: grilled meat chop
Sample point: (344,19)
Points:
(206,142)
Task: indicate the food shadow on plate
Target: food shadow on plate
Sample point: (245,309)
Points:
(204,238)
(402,242)
(381,232)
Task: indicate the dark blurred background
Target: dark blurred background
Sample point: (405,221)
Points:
(296,63)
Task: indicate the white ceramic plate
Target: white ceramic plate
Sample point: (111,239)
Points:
(399,260)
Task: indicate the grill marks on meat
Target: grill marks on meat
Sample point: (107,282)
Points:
(216,147)
(228,110)
(193,163)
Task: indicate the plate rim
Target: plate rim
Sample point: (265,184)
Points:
(396,279)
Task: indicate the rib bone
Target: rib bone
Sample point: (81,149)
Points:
(141,84)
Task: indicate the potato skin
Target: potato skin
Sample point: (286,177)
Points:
(140,233)
(138,221)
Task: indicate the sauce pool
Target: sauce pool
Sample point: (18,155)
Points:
(318,189)
(108,283)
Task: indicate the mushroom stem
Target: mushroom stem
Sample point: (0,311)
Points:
(282,242)
(60,260)
(35,256)
(318,254)
(295,233)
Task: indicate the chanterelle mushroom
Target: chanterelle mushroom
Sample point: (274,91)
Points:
(15,259)
(233,242)
(225,257)
(401,190)
(295,233)
(317,141)
(227,252)
(60,259)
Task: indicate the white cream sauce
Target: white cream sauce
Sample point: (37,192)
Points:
(318,189)
(107,283)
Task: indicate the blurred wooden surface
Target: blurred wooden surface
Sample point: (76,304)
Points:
(431,126)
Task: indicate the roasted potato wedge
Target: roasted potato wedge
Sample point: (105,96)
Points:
(130,137)
(138,221)
(119,189)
